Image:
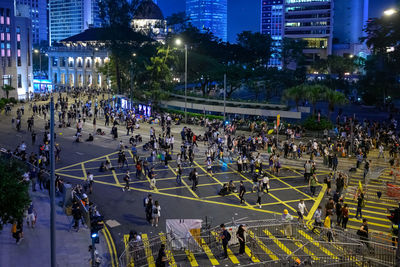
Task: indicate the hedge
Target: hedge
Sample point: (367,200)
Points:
(312,124)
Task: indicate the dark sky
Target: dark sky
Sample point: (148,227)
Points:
(245,14)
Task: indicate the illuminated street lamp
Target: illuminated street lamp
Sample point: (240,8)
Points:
(389,12)
(178,42)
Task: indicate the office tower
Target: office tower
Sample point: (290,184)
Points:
(350,17)
(38,15)
(271,24)
(209,15)
(309,20)
(312,21)
(67,18)
(15,51)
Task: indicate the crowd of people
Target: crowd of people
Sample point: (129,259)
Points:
(259,156)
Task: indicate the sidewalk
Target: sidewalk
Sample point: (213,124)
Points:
(34,249)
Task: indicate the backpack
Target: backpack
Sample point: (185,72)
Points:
(228,236)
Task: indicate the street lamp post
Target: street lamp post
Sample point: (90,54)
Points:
(37,51)
(179,42)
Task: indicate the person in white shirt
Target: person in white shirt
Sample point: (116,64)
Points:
(301,212)
(90,180)
(381,153)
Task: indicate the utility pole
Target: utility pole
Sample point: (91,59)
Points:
(186,74)
(224,97)
(52,188)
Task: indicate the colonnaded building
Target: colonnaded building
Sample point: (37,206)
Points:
(76,61)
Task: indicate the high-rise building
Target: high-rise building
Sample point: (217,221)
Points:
(15,50)
(350,18)
(38,14)
(272,25)
(209,15)
(67,18)
(309,20)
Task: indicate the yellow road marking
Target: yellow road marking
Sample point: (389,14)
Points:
(366,206)
(388,226)
(317,244)
(84,171)
(114,255)
(168,252)
(208,252)
(292,187)
(281,202)
(183,182)
(114,174)
(316,203)
(371,212)
(191,258)
(109,246)
(262,246)
(79,163)
(280,244)
(250,254)
(148,251)
(129,260)
(302,247)
(231,256)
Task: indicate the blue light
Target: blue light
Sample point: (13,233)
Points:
(94,235)
(226,122)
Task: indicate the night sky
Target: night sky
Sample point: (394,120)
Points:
(245,14)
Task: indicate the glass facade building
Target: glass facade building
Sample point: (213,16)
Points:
(209,15)
(70,17)
(38,14)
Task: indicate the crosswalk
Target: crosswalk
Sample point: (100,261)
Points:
(376,209)
(262,245)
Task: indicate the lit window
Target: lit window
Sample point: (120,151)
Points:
(2,36)
(18,37)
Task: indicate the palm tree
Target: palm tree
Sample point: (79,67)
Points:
(295,93)
(7,88)
(314,93)
(334,98)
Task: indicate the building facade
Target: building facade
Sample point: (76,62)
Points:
(15,51)
(209,15)
(67,18)
(350,18)
(38,14)
(309,20)
(75,62)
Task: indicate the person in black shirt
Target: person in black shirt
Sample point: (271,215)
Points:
(225,237)
(162,257)
(242,192)
(240,236)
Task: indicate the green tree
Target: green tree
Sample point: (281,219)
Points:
(14,197)
(7,88)
(337,65)
(315,93)
(292,52)
(296,94)
(334,98)
(256,48)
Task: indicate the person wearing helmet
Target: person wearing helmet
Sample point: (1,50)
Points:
(287,218)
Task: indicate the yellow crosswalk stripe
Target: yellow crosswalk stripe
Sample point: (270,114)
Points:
(280,244)
(302,247)
(317,244)
(231,256)
(191,258)
(129,260)
(262,246)
(250,254)
(370,223)
(371,212)
(168,252)
(114,174)
(147,250)
(208,252)
(183,182)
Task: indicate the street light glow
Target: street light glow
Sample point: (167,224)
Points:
(36,51)
(390,12)
(178,42)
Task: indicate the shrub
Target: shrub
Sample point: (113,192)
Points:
(12,100)
(312,124)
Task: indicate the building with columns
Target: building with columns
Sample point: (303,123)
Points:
(77,60)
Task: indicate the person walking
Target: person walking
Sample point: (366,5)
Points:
(242,242)
(317,218)
(193,176)
(31,216)
(345,217)
(313,182)
(127,179)
(367,167)
(149,209)
(225,237)
(179,175)
(156,213)
(265,181)
(360,205)
(242,192)
(363,232)
(327,226)
(301,212)
(90,181)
